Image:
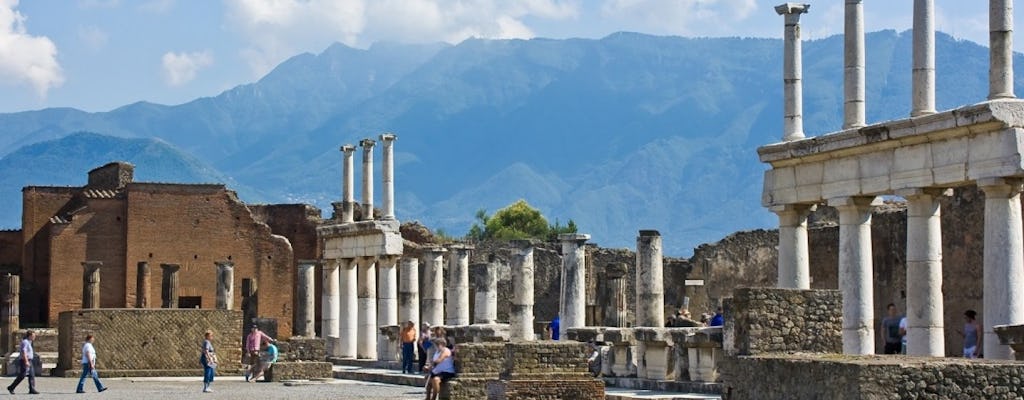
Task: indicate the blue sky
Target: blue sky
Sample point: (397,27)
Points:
(96,55)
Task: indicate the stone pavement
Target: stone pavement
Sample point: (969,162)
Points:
(225,387)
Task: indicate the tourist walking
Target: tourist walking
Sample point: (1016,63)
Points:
(89,366)
(26,366)
(251,349)
(408,335)
(972,338)
(424,344)
(267,359)
(442,368)
(209,361)
(891,331)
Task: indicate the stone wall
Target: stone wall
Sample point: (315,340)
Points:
(134,342)
(842,377)
(111,176)
(39,204)
(764,320)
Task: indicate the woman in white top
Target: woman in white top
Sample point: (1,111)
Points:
(442,368)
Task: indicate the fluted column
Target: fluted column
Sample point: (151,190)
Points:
(367,145)
(1003,274)
(305,299)
(457,311)
(348,323)
(9,312)
(792,71)
(408,290)
(924,274)
(521,314)
(91,284)
(225,285)
(650,281)
(854,60)
(348,200)
(142,285)
(432,310)
(572,306)
(616,307)
(855,273)
(366,338)
(169,286)
(924,61)
(485,282)
(330,307)
(388,172)
(794,260)
(1000,75)
(387,296)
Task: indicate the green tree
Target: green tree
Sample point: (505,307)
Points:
(517,221)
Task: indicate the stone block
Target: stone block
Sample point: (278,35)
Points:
(585,334)
(290,370)
(767,320)
(302,349)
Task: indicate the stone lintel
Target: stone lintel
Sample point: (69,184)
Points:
(855,201)
(357,228)
(460,247)
(792,8)
(1013,183)
(573,237)
(934,192)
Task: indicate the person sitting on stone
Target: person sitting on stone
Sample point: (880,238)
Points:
(441,367)
(251,349)
(267,359)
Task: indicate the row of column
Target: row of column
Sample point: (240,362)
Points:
(348,179)
(169,286)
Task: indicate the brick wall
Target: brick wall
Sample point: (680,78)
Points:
(94,234)
(766,320)
(10,248)
(149,339)
(38,205)
(111,176)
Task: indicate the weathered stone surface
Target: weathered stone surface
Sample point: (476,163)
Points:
(286,370)
(302,349)
(767,320)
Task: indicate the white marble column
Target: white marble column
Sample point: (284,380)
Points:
(305,299)
(650,280)
(387,291)
(225,285)
(348,200)
(408,290)
(853,82)
(366,337)
(792,71)
(794,260)
(348,333)
(457,310)
(924,273)
(1000,72)
(432,310)
(521,314)
(1003,274)
(572,306)
(388,172)
(329,309)
(855,273)
(367,145)
(485,281)
(923,84)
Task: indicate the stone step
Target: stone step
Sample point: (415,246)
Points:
(632,394)
(49,360)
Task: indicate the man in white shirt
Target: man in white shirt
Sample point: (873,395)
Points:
(89,366)
(26,356)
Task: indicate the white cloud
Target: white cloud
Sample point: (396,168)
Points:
(275,28)
(26,59)
(181,68)
(681,17)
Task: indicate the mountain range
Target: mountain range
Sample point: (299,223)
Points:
(622,133)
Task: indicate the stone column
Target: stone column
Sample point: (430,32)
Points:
(485,282)
(521,314)
(794,261)
(330,307)
(924,62)
(855,273)
(388,172)
(433,286)
(387,299)
(457,310)
(225,285)
(650,282)
(792,71)
(408,290)
(91,284)
(305,299)
(169,287)
(1000,72)
(924,274)
(9,312)
(572,306)
(250,302)
(142,285)
(366,337)
(367,145)
(348,200)
(616,308)
(1003,262)
(853,83)
(348,331)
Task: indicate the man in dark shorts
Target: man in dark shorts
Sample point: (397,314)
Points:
(891,330)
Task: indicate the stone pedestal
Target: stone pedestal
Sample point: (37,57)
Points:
(348,323)
(572,309)
(616,302)
(521,314)
(91,284)
(169,286)
(704,354)
(1013,336)
(655,354)
(621,360)
(485,282)
(650,281)
(408,291)
(305,299)
(457,311)
(225,285)
(432,310)
(389,344)
(142,285)
(366,337)
(330,308)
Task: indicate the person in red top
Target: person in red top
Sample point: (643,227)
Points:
(251,349)
(408,335)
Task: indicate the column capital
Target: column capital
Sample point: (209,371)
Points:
(348,149)
(433,250)
(855,202)
(793,209)
(460,248)
(227,264)
(999,187)
(365,261)
(579,238)
(792,8)
(92,265)
(170,267)
(307,263)
(387,138)
(367,144)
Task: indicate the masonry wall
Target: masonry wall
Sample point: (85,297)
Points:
(765,320)
(38,205)
(10,248)
(133,342)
